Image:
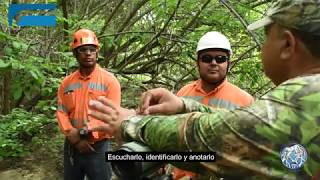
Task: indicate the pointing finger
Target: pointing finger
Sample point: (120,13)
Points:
(145,101)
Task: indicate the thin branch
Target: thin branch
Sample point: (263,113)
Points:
(96,10)
(136,84)
(136,72)
(243,21)
(235,62)
(262,87)
(195,17)
(65,23)
(127,32)
(87,7)
(192,21)
(151,43)
(259,3)
(132,14)
(110,50)
(139,17)
(139,32)
(108,20)
(141,61)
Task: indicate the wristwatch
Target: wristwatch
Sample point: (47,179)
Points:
(83,132)
(129,128)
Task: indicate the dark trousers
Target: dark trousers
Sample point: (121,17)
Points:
(93,164)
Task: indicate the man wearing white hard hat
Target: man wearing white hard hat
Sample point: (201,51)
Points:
(213,89)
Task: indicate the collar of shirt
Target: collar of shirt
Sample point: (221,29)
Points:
(88,77)
(198,85)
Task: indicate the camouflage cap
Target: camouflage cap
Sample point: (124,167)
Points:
(303,15)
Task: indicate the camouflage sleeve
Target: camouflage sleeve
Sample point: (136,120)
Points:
(194,106)
(247,140)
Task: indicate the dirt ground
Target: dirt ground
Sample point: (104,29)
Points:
(44,162)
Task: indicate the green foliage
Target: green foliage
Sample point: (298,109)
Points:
(32,75)
(17,129)
(146,44)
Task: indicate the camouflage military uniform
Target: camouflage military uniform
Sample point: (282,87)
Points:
(247,140)
(301,15)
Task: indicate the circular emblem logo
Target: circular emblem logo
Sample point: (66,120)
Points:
(293,156)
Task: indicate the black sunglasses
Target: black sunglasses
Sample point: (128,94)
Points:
(219,59)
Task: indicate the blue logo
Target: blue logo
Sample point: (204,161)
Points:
(14,9)
(293,156)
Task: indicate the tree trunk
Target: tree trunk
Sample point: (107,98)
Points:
(6,93)
(65,23)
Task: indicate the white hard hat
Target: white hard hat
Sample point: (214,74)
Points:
(214,39)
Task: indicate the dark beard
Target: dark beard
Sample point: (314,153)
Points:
(215,83)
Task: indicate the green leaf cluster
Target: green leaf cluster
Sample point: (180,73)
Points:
(17,129)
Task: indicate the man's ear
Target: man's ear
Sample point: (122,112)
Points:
(74,53)
(98,53)
(288,46)
(197,59)
(198,63)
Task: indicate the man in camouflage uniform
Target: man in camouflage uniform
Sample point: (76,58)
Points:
(248,140)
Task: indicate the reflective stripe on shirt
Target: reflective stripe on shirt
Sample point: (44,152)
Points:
(72,87)
(221,103)
(97,86)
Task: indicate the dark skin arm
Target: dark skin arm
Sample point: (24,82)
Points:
(82,145)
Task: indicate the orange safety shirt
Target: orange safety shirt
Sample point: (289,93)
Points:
(226,95)
(74,94)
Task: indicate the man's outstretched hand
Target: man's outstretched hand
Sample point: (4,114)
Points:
(155,101)
(160,101)
(104,110)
